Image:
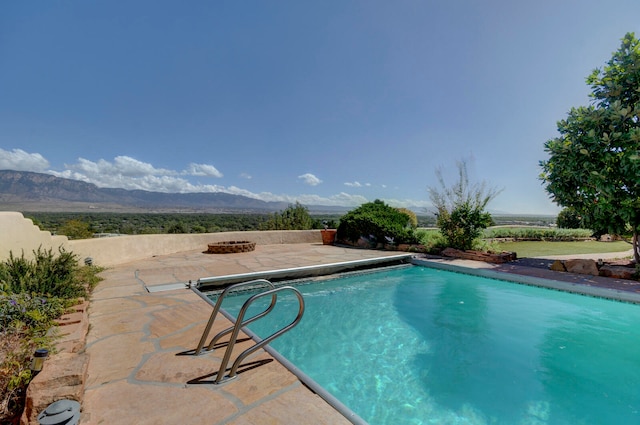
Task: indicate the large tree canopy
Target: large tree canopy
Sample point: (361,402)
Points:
(594,165)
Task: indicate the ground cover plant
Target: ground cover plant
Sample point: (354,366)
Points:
(33,293)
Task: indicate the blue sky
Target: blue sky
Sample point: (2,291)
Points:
(327,102)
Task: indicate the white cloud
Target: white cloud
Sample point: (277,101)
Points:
(123,166)
(20,160)
(347,199)
(357,184)
(409,203)
(233,190)
(129,173)
(310,179)
(246,176)
(202,170)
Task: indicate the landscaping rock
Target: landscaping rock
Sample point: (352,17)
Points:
(582,266)
(488,257)
(64,374)
(617,272)
(62,378)
(558,266)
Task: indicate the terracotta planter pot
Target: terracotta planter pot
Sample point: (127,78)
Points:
(328,236)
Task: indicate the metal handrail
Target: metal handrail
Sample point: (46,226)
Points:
(216,309)
(240,323)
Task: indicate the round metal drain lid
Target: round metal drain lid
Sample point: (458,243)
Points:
(61,412)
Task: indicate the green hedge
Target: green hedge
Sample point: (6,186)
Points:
(542,234)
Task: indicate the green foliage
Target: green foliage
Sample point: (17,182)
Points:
(76,229)
(294,217)
(413,218)
(463,225)
(45,275)
(460,209)
(537,233)
(432,240)
(569,218)
(551,248)
(33,293)
(177,228)
(14,373)
(24,310)
(378,222)
(149,223)
(594,164)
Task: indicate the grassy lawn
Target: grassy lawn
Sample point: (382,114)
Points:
(540,249)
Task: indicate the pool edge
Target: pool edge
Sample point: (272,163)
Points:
(539,281)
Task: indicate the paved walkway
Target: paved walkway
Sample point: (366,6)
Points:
(136,374)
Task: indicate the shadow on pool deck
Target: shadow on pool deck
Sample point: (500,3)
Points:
(135,374)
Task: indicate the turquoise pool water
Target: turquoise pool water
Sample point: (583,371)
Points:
(424,346)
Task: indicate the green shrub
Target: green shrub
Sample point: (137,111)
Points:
(378,223)
(432,240)
(463,225)
(45,275)
(33,293)
(413,218)
(15,374)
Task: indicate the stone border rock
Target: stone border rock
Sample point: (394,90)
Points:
(230,247)
(591,267)
(496,258)
(64,373)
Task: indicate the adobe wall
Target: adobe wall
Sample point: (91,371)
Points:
(18,233)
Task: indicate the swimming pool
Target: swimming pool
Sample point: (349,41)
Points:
(423,346)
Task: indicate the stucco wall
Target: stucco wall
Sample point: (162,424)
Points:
(18,233)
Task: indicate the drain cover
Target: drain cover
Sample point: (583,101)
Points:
(62,412)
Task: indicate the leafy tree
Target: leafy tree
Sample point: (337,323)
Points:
(294,217)
(460,208)
(177,227)
(594,165)
(76,229)
(413,218)
(569,218)
(197,228)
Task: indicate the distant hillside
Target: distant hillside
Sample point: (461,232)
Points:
(27,191)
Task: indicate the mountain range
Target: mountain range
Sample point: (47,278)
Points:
(28,191)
